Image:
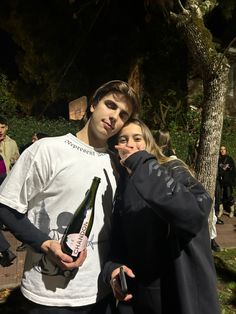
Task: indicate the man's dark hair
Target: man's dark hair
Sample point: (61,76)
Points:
(41,135)
(119,88)
(3,120)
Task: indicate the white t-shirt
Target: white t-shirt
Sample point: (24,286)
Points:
(49,181)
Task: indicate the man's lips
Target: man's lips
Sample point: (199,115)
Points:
(107,125)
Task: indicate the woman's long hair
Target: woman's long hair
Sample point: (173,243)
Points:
(151,145)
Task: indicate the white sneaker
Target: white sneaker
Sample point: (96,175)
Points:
(231,214)
(221,210)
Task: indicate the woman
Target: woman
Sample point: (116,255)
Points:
(160,231)
(226,177)
(163,140)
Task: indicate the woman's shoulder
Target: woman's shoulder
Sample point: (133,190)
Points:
(177,168)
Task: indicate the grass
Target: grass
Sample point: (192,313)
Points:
(225,262)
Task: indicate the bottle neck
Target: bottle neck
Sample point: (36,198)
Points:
(93,189)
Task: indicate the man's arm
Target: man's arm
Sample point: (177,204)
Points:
(26,232)
(22,228)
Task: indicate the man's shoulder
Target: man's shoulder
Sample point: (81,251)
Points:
(9,139)
(52,143)
(53,139)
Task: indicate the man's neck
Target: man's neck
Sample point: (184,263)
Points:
(88,138)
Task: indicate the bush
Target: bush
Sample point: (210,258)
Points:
(22,129)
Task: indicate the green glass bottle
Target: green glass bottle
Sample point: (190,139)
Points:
(77,232)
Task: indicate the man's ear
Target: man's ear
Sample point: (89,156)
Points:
(92,108)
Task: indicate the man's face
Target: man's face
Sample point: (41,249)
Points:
(3,130)
(108,117)
(223,150)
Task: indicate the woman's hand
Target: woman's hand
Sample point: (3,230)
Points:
(115,284)
(125,151)
(52,249)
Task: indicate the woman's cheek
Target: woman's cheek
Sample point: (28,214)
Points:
(141,147)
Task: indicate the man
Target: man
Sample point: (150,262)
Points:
(8,152)
(52,177)
(8,147)
(226,177)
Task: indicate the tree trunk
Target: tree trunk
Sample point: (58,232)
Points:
(135,78)
(213,70)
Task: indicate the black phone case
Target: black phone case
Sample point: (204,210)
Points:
(123,283)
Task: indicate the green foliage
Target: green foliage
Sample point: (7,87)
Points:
(22,129)
(228,7)
(169,112)
(7,101)
(229,140)
(45,37)
(182,138)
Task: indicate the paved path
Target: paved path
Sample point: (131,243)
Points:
(226,233)
(10,276)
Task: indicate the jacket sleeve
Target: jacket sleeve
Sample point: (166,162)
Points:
(171,191)
(117,248)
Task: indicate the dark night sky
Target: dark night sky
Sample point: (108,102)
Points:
(7,55)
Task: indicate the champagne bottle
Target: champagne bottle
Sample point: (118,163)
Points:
(77,232)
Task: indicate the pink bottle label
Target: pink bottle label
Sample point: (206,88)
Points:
(77,242)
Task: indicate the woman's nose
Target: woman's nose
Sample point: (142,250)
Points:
(130,143)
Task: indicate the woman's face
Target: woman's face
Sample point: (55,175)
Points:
(131,137)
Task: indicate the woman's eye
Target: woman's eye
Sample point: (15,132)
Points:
(122,140)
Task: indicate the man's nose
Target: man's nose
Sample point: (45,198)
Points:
(114,115)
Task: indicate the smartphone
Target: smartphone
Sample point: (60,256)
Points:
(123,283)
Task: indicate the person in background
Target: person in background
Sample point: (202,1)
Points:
(213,233)
(3,169)
(227,179)
(6,256)
(52,178)
(215,218)
(3,174)
(160,235)
(8,147)
(218,201)
(163,140)
(35,137)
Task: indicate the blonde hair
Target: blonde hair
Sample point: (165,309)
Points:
(151,145)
